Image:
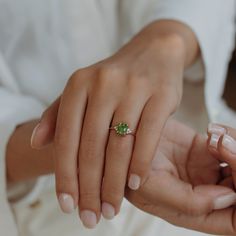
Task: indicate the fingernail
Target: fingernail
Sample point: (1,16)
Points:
(89,219)
(224,201)
(214,140)
(134,182)
(33,135)
(216,129)
(229,143)
(66,203)
(108,211)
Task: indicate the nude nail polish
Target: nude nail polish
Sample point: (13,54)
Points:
(108,211)
(229,143)
(214,140)
(216,129)
(88,218)
(134,182)
(66,203)
(225,201)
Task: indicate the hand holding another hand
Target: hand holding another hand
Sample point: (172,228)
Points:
(187,186)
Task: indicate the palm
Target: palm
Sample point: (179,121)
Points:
(181,169)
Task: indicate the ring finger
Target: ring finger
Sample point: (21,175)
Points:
(118,154)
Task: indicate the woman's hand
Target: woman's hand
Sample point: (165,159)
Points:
(187,186)
(140,85)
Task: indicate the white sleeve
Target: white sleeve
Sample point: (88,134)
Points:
(212,21)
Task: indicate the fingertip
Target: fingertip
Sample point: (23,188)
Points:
(224,201)
(227,147)
(134,182)
(108,211)
(66,203)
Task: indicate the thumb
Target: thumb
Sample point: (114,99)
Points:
(43,133)
(194,201)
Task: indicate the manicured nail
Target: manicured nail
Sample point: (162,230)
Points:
(66,203)
(108,211)
(34,133)
(134,182)
(224,201)
(214,141)
(229,143)
(89,219)
(216,129)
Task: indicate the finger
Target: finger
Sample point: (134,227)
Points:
(118,155)
(217,222)
(183,197)
(44,132)
(152,122)
(66,141)
(91,156)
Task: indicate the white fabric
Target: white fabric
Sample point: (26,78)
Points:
(43,42)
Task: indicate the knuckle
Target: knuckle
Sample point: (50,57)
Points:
(112,194)
(107,76)
(76,79)
(136,79)
(89,196)
(109,71)
(103,80)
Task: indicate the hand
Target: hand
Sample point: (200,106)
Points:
(186,185)
(140,85)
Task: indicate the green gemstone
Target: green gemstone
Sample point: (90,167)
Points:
(122,129)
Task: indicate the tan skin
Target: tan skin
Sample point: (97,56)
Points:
(188,175)
(186,179)
(149,69)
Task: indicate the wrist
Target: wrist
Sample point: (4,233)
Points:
(173,40)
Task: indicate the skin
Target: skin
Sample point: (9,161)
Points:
(185,180)
(24,163)
(91,164)
(188,175)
